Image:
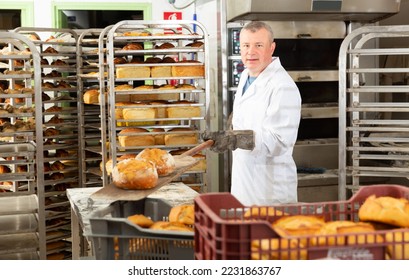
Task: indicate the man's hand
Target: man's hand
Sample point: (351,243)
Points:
(229,140)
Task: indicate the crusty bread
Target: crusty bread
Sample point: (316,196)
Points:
(385,209)
(183,214)
(133,72)
(187,111)
(196,44)
(91,96)
(133,139)
(200,166)
(134,174)
(119,113)
(159,138)
(332,228)
(178,136)
(133,46)
(120,60)
(298,225)
(140,220)
(163,160)
(109,164)
(362,234)
(161,71)
(181,70)
(138,112)
(165,45)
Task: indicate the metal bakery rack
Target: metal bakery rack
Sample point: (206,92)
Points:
(373,108)
(91,58)
(56,109)
(22,213)
(157,93)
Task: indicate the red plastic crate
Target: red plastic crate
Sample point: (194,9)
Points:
(222,231)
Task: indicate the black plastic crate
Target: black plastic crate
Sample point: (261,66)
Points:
(113,237)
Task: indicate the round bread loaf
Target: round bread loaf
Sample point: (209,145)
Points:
(165,45)
(135,174)
(133,46)
(164,162)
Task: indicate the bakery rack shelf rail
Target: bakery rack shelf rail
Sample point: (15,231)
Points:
(22,213)
(59,117)
(158,89)
(373,110)
(91,58)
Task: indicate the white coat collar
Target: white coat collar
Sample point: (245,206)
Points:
(262,79)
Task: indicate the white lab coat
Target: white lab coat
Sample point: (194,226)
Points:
(271,107)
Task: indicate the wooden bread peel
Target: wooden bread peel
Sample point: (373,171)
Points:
(183,163)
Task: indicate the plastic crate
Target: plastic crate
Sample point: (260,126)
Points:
(223,232)
(113,237)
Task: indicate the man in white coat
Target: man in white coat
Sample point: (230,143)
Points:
(268,102)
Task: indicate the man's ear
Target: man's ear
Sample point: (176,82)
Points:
(273,47)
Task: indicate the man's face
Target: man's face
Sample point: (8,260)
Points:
(256,50)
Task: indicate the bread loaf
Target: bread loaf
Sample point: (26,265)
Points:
(133,46)
(161,71)
(178,136)
(298,225)
(159,138)
(200,166)
(187,111)
(134,174)
(183,214)
(181,70)
(133,72)
(91,96)
(135,138)
(137,112)
(140,220)
(163,160)
(119,112)
(385,209)
(165,45)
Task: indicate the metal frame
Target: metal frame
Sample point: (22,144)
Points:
(114,37)
(370,144)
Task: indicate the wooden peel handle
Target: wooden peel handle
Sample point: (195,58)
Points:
(198,148)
